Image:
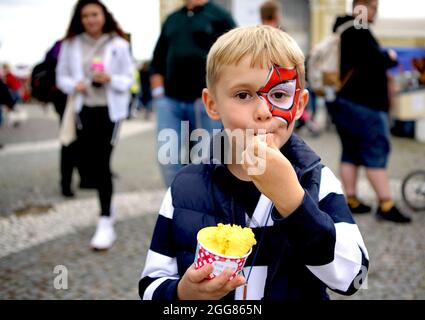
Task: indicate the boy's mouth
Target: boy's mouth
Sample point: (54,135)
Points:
(263,133)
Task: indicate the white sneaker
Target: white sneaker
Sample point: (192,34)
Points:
(104,236)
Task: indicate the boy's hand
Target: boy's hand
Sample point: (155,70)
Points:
(278,180)
(194,285)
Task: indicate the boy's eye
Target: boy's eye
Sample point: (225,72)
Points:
(283,95)
(243,95)
(279,95)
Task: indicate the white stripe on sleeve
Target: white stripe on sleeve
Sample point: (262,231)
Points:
(167,208)
(329,183)
(159,265)
(347,262)
(153,286)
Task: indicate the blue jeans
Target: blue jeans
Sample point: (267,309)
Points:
(169,115)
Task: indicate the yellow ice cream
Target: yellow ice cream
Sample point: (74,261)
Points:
(228,240)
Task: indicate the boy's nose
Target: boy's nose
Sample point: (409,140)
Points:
(263,113)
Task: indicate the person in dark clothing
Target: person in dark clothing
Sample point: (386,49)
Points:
(145,89)
(360,112)
(6,99)
(58,98)
(178,71)
(306,237)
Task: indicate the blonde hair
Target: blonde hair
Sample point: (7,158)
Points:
(264,44)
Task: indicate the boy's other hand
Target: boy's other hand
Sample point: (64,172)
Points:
(278,180)
(194,285)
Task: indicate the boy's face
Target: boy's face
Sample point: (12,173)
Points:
(257,98)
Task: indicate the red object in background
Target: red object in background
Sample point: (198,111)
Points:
(12,82)
(419,65)
(25,94)
(305,116)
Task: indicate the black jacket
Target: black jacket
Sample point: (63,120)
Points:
(318,245)
(361,53)
(181,51)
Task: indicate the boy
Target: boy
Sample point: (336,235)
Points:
(306,237)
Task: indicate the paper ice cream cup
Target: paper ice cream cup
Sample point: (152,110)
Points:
(220,262)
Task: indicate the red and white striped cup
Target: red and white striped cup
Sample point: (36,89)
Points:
(220,262)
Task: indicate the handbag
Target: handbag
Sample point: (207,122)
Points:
(68,131)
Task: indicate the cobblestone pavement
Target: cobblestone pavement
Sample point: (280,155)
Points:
(39,230)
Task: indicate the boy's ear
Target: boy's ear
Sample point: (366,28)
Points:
(302,102)
(210,104)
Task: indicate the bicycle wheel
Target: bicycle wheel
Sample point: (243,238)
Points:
(413,190)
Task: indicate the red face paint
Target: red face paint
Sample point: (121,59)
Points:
(281,92)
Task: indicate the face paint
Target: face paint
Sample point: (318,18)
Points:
(281,92)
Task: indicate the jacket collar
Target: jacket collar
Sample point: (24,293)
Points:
(302,157)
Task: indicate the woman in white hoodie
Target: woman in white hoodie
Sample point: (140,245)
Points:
(95,68)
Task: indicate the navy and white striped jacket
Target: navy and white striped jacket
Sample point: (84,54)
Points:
(317,246)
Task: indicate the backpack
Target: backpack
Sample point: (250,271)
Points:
(323,65)
(43,76)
